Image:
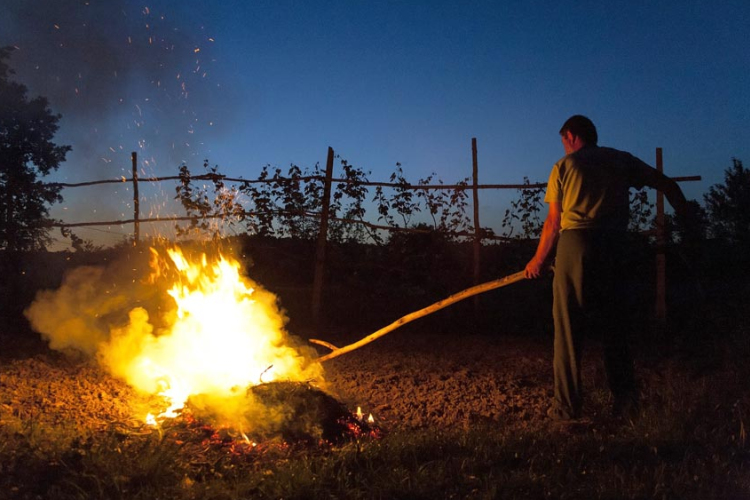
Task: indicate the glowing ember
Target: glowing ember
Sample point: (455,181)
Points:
(224,335)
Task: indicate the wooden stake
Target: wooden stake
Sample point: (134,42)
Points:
(477,227)
(136,201)
(320,253)
(661,280)
(469,292)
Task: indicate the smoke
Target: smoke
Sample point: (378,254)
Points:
(125,317)
(92,302)
(123,76)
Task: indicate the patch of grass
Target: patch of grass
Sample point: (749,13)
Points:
(688,442)
(492,462)
(675,450)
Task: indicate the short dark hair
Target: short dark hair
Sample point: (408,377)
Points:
(582,127)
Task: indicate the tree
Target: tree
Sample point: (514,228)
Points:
(691,227)
(728,205)
(26,154)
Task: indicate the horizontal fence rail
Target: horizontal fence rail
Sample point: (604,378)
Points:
(239,180)
(212,177)
(477,235)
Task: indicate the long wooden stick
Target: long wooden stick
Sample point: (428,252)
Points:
(469,292)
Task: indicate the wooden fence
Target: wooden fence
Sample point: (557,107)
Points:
(320,258)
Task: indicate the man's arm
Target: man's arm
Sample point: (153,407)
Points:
(550,232)
(652,178)
(672,191)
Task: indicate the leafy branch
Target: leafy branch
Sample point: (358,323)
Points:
(289,204)
(525,210)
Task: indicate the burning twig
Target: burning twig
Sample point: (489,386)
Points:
(263,373)
(469,292)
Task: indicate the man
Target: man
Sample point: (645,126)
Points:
(588,198)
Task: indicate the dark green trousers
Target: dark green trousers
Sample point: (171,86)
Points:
(591,301)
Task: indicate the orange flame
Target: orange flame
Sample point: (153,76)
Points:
(225,335)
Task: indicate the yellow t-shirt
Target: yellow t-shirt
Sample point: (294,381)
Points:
(593,185)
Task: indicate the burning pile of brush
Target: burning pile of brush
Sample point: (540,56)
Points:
(202,335)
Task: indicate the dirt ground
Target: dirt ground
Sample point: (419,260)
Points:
(407,379)
(420,380)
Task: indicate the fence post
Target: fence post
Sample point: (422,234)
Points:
(320,253)
(477,227)
(661,281)
(136,201)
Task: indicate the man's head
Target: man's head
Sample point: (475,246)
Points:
(578,131)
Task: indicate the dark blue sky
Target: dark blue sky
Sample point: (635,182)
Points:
(250,83)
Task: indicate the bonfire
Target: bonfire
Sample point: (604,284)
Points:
(206,340)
